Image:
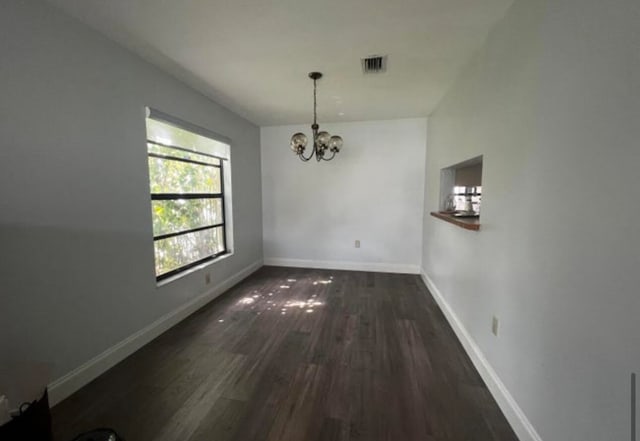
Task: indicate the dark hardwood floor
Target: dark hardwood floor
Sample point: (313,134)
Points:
(296,355)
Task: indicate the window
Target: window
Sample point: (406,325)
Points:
(189,194)
(461,188)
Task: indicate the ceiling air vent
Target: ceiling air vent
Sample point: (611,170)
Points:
(374,64)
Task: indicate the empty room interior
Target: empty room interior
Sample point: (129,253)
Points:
(357,220)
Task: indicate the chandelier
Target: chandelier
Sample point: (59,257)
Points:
(322,141)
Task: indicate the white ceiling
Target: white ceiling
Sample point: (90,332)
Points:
(253,56)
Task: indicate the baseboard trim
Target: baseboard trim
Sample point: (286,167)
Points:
(344,265)
(514,414)
(82,375)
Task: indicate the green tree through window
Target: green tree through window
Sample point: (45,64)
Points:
(186,179)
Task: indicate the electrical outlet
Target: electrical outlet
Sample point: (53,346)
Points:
(207,278)
(357,244)
(495,325)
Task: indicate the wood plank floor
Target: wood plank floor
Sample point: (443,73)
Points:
(297,355)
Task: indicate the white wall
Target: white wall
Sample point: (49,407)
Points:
(373,191)
(76,253)
(553,104)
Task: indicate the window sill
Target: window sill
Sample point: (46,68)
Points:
(168,280)
(472,223)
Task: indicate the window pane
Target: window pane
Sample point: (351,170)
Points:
(218,239)
(185,214)
(194,156)
(178,251)
(168,176)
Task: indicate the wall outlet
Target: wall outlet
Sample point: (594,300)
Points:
(495,325)
(207,279)
(357,243)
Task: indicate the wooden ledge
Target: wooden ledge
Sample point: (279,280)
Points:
(468,223)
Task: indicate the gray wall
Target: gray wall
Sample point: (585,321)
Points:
(553,104)
(76,249)
(372,192)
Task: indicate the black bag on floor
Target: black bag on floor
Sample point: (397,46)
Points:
(33,423)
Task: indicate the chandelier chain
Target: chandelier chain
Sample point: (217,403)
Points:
(315,114)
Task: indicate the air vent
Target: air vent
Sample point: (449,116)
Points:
(374,64)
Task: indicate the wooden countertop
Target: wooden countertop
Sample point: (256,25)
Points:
(468,223)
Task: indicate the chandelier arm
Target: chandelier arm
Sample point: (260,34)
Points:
(330,157)
(303,158)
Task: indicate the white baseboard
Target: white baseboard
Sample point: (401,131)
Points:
(345,265)
(82,375)
(514,414)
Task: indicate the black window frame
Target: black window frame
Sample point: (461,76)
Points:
(191,196)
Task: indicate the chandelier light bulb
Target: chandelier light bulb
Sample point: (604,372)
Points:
(335,143)
(298,142)
(323,139)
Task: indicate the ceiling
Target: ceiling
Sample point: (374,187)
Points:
(253,56)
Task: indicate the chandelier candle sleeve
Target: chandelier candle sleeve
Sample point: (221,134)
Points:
(322,141)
